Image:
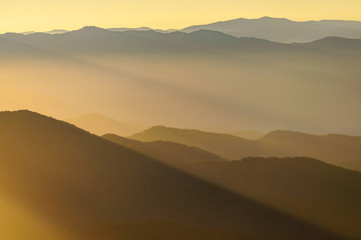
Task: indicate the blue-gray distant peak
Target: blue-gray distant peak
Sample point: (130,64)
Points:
(284,30)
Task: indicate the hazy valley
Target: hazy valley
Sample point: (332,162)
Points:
(211,79)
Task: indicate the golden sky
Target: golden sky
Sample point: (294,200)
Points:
(42,15)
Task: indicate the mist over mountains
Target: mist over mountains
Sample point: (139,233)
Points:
(210,78)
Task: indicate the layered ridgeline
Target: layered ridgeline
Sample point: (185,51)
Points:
(209,78)
(272,29)
(168,152)
(58,181)
(94,41)
(332,148)
(284,30)
(317,192)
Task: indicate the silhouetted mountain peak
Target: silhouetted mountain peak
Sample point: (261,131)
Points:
(90,30)
(25,119)
(23,113)
(158,127)
(266,17)
(271,19)
(283,134)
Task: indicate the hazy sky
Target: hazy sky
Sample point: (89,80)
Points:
(41,15)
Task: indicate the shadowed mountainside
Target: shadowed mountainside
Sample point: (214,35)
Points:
(307,188)
(100,125)
(76,182)
(284,30)
(330,148)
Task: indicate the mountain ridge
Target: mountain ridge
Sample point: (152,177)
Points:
(76,180)
(284,30)
(301,186)
(331,148)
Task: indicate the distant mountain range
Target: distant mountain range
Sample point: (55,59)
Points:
(231,83)
(331,148)
(284,30)
(93,40)
(272,29)
(60,31)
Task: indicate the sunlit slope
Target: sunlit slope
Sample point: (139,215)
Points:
(79,182)
(331,148)
(99,124)
(169,152)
